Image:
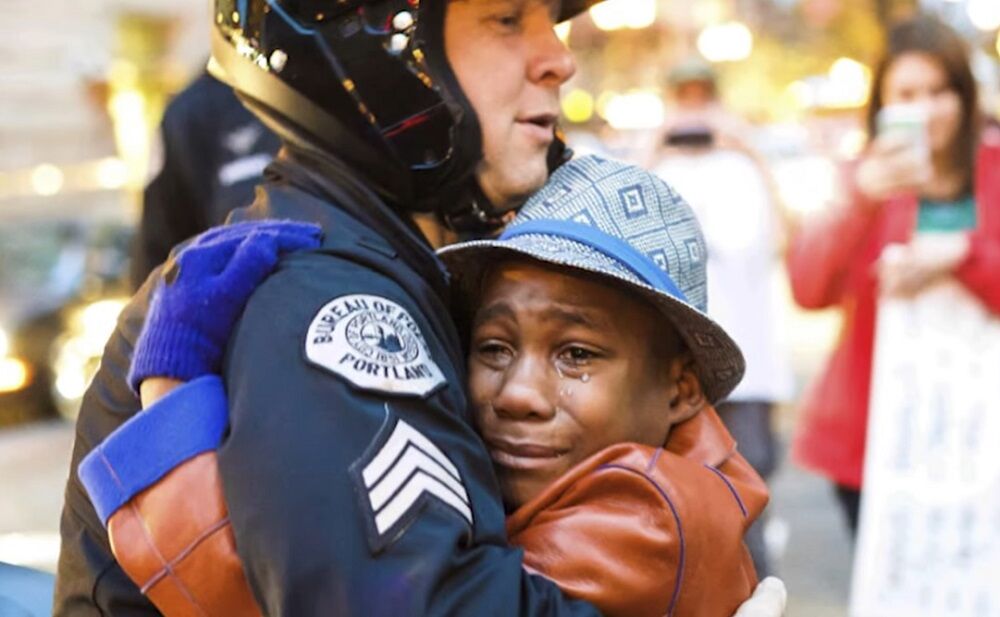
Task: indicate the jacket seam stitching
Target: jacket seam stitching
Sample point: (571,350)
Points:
(149,539)
(732,489)
(168,569)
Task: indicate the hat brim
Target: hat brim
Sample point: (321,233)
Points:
(718,359)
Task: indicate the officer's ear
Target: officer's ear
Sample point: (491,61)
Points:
(684,394)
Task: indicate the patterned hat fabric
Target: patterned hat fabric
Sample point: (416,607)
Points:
(620,221)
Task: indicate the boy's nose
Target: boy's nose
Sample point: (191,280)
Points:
(524,393)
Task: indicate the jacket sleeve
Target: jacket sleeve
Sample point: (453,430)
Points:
(980,271)
(638,544)
(155,485)
(295,467)
(822,252)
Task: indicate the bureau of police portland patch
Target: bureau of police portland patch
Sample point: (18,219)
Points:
(374,344)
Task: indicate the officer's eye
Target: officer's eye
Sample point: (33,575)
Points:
(509,20)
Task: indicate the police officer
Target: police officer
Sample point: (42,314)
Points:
(211,153)
(355,482)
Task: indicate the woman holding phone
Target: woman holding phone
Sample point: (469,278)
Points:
(929,166)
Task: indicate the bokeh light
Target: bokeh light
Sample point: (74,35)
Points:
(112,173)
(47,179)
(578,105)
(849,81)
(727,42)
(801,94)
(851,143)
(14,374)
(984,14)
(128,109)
(635,110)
(621,14)
(808,184)
(563,30)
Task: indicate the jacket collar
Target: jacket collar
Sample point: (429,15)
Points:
(703,438)
(381,227)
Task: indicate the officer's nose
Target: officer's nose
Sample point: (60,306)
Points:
(551,61)
(525,391)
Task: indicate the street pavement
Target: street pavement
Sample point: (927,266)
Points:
(815,561)
(34,462)
(807,532)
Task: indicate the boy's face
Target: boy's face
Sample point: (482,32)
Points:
(562,366)
(510,64)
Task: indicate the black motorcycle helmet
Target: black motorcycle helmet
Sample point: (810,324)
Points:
(367,81)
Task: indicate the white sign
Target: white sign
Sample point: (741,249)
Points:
(929,542)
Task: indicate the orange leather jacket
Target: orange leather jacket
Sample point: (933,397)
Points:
(634,530)
(641,531)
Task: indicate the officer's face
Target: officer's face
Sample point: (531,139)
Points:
(561,366)
(510,65)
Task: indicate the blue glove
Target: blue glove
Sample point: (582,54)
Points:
(204,288)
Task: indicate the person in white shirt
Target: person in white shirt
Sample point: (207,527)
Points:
(704,155)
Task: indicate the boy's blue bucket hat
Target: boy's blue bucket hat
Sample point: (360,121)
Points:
(619,221)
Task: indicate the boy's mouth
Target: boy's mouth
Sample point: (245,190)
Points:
(523,455)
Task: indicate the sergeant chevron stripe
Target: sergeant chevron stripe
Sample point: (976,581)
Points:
(407,467)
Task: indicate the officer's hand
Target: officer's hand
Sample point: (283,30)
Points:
(768,600)
(203,290)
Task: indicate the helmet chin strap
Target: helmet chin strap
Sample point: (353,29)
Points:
(475,215)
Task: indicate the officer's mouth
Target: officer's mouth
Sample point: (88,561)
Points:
(525,456)
(540,127)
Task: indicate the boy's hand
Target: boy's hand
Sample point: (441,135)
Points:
(202,294)
(153,389)
(767,601)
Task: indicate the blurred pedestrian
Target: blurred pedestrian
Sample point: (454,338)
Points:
(703,142)
(946,179)
(212,154)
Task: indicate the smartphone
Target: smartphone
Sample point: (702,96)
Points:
(690,136)
(909,121)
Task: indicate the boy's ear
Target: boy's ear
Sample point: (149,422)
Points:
(687,397)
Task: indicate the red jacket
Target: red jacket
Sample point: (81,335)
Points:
(831,262)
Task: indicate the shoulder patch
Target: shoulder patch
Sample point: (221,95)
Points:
(374,344)
(401,472)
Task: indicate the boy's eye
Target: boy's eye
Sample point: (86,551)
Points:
(492,349)
(578,355)
(494,352)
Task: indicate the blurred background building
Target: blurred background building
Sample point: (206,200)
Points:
(83,86)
